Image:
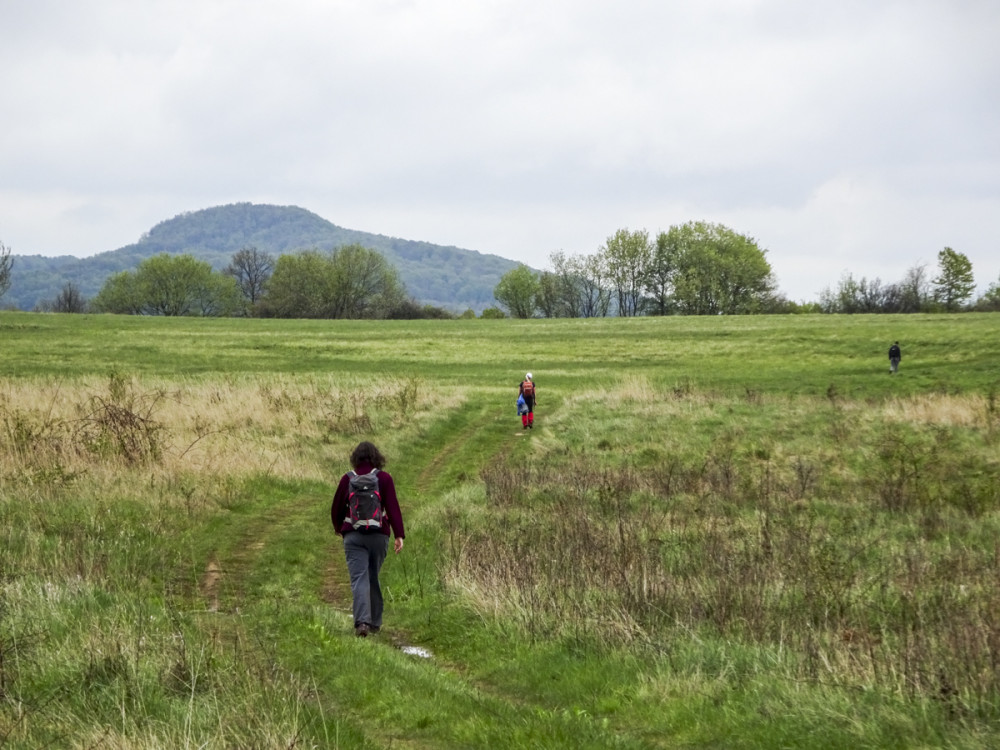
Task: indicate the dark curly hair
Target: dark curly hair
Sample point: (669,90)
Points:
(367,453)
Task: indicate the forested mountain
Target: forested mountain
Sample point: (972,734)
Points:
(447,277)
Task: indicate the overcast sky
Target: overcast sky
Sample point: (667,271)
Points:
(852,136)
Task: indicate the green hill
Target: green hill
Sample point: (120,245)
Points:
(443,276)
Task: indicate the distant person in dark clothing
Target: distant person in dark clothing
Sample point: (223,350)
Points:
(366,549)
(528,393)
(894,356)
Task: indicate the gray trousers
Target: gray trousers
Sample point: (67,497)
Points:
(894,364)
(365,554)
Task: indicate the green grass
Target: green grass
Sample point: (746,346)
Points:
(785,354)
(723,532)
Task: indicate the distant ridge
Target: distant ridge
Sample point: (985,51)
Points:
(444,276)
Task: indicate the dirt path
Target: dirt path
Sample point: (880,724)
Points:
(472,437)
(476,421)
(482,423)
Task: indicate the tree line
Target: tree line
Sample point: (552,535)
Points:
(950,290)
(350,282)
(697,268)
(701,268)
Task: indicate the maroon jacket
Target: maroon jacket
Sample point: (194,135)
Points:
(393,520)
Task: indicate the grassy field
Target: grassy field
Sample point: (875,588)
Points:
(722,533)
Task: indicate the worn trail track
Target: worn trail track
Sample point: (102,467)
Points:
(233,576)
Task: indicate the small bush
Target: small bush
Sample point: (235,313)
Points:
(120,422)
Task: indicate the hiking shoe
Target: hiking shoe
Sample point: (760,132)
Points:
(531,425)
(362,630)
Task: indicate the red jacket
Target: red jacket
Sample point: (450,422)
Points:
(393,520)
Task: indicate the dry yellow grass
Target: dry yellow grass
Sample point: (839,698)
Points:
(967,410)
(641,397)
(291,427)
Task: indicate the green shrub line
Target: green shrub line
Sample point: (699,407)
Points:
(722,532)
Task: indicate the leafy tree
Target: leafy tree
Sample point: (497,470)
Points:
(877,297)
(568,291)
(592,275)
(914,290)
(563,291)
(517,291)
(954,283)
(6,265)
(298,286)
(627,256)
(547,300)
(351,282)
(844,299)
(872,296)
(861,296)
(659,276)
(219,295)
(173,285)
(168,285)
(567,287)
(366,286)
(252,269)
(990,301)
(493,313)
(120,295)
(718,270)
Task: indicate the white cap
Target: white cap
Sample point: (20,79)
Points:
(528,376)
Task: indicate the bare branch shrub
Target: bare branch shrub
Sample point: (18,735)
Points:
(121,423)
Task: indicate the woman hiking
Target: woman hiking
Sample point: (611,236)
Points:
(528,394)
(364,512)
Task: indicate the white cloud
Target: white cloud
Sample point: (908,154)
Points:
(856,136)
